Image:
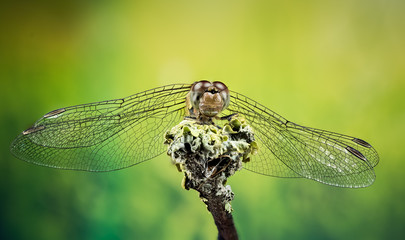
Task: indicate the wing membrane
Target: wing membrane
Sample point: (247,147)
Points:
(115,134)
(287,149)
(104,136)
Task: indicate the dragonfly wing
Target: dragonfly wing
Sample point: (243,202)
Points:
(287,149)
(104,136)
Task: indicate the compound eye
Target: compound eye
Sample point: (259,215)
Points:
(201,86)
(224,93)
(220,86)
(197,91)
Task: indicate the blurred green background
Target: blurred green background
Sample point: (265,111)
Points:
(336,65)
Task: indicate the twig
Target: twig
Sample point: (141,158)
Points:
(222,217)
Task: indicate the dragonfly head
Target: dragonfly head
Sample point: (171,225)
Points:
(209,98)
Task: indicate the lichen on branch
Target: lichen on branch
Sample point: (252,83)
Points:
(209,154)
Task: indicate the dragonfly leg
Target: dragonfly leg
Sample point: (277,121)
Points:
(218,165)
(228,117)
(190,117)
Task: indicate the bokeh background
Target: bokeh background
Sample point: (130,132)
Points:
(336,65)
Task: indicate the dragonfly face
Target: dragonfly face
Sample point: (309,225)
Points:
(208,99)
(119,133)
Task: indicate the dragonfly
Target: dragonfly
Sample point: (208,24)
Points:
(120,133)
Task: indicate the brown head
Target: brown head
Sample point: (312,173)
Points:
(208,99)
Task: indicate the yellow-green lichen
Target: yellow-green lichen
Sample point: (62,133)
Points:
(235,138)
(208,154)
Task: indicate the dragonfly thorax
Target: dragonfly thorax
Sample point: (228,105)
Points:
(208,99)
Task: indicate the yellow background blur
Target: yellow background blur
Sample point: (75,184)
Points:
(336,65)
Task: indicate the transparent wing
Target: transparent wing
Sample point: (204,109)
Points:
(287,149)
(104,136)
